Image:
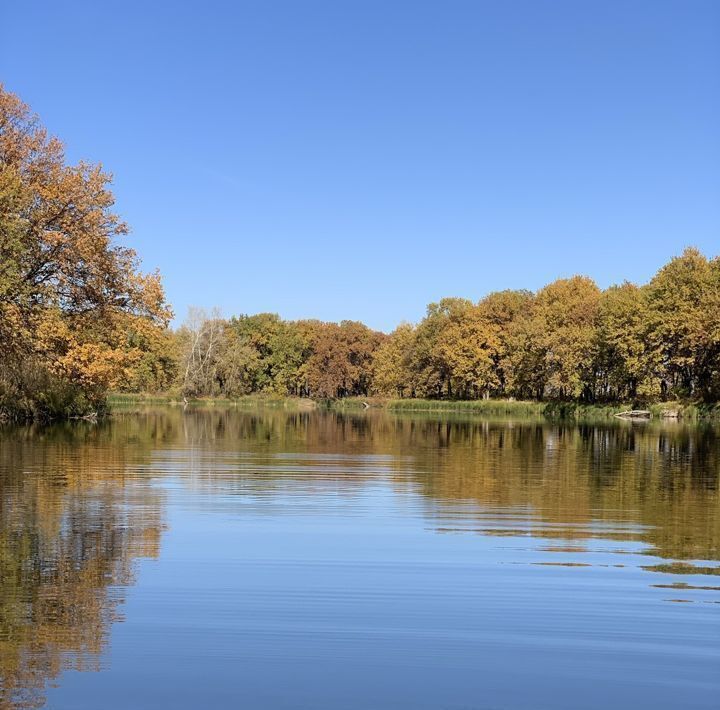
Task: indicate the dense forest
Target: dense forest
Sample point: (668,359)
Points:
(569,341)
(78,318)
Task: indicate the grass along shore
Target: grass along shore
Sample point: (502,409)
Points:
(687,411)
(117,400)
(558,410)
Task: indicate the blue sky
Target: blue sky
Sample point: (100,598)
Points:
(360,159)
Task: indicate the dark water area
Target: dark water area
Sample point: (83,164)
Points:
(218,559)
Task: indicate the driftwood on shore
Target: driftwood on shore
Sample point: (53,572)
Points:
(91,417)
(635,414)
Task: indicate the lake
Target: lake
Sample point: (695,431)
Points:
(215,558)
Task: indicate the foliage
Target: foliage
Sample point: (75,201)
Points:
(76,314)
(569,343)
(78,318)
(684,325)
(341,361)
(392,371)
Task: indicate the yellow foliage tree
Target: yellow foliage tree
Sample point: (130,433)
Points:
(69,292)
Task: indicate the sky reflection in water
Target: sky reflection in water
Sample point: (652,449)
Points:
(215,558)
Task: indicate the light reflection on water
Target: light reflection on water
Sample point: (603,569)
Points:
(214,558)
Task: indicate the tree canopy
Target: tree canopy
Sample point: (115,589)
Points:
(569,341)
(76,312)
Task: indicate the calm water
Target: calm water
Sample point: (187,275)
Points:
(220,559)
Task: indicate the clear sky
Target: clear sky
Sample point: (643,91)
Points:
(360,159)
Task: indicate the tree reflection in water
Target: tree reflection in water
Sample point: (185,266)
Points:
(79,504)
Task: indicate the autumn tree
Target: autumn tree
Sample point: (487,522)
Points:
(342,359)
(427,358)
(468,346)
(393,373)
(626,367)
(683,323)
(566,314)
(500,310)
(524,365)
(68,288)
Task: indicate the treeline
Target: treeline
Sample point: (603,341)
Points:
(78,318)
(569,341)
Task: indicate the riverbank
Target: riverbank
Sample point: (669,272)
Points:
(560,410)
(687,411)
(119,400)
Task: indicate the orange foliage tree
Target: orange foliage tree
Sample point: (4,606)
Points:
(76,313)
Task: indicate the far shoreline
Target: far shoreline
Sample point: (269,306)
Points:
(553,410)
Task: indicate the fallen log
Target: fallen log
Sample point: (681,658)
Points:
(91,417)
(634,414)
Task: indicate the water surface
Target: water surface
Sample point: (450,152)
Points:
(215,558)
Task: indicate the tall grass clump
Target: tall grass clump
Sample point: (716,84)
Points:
(480,406)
